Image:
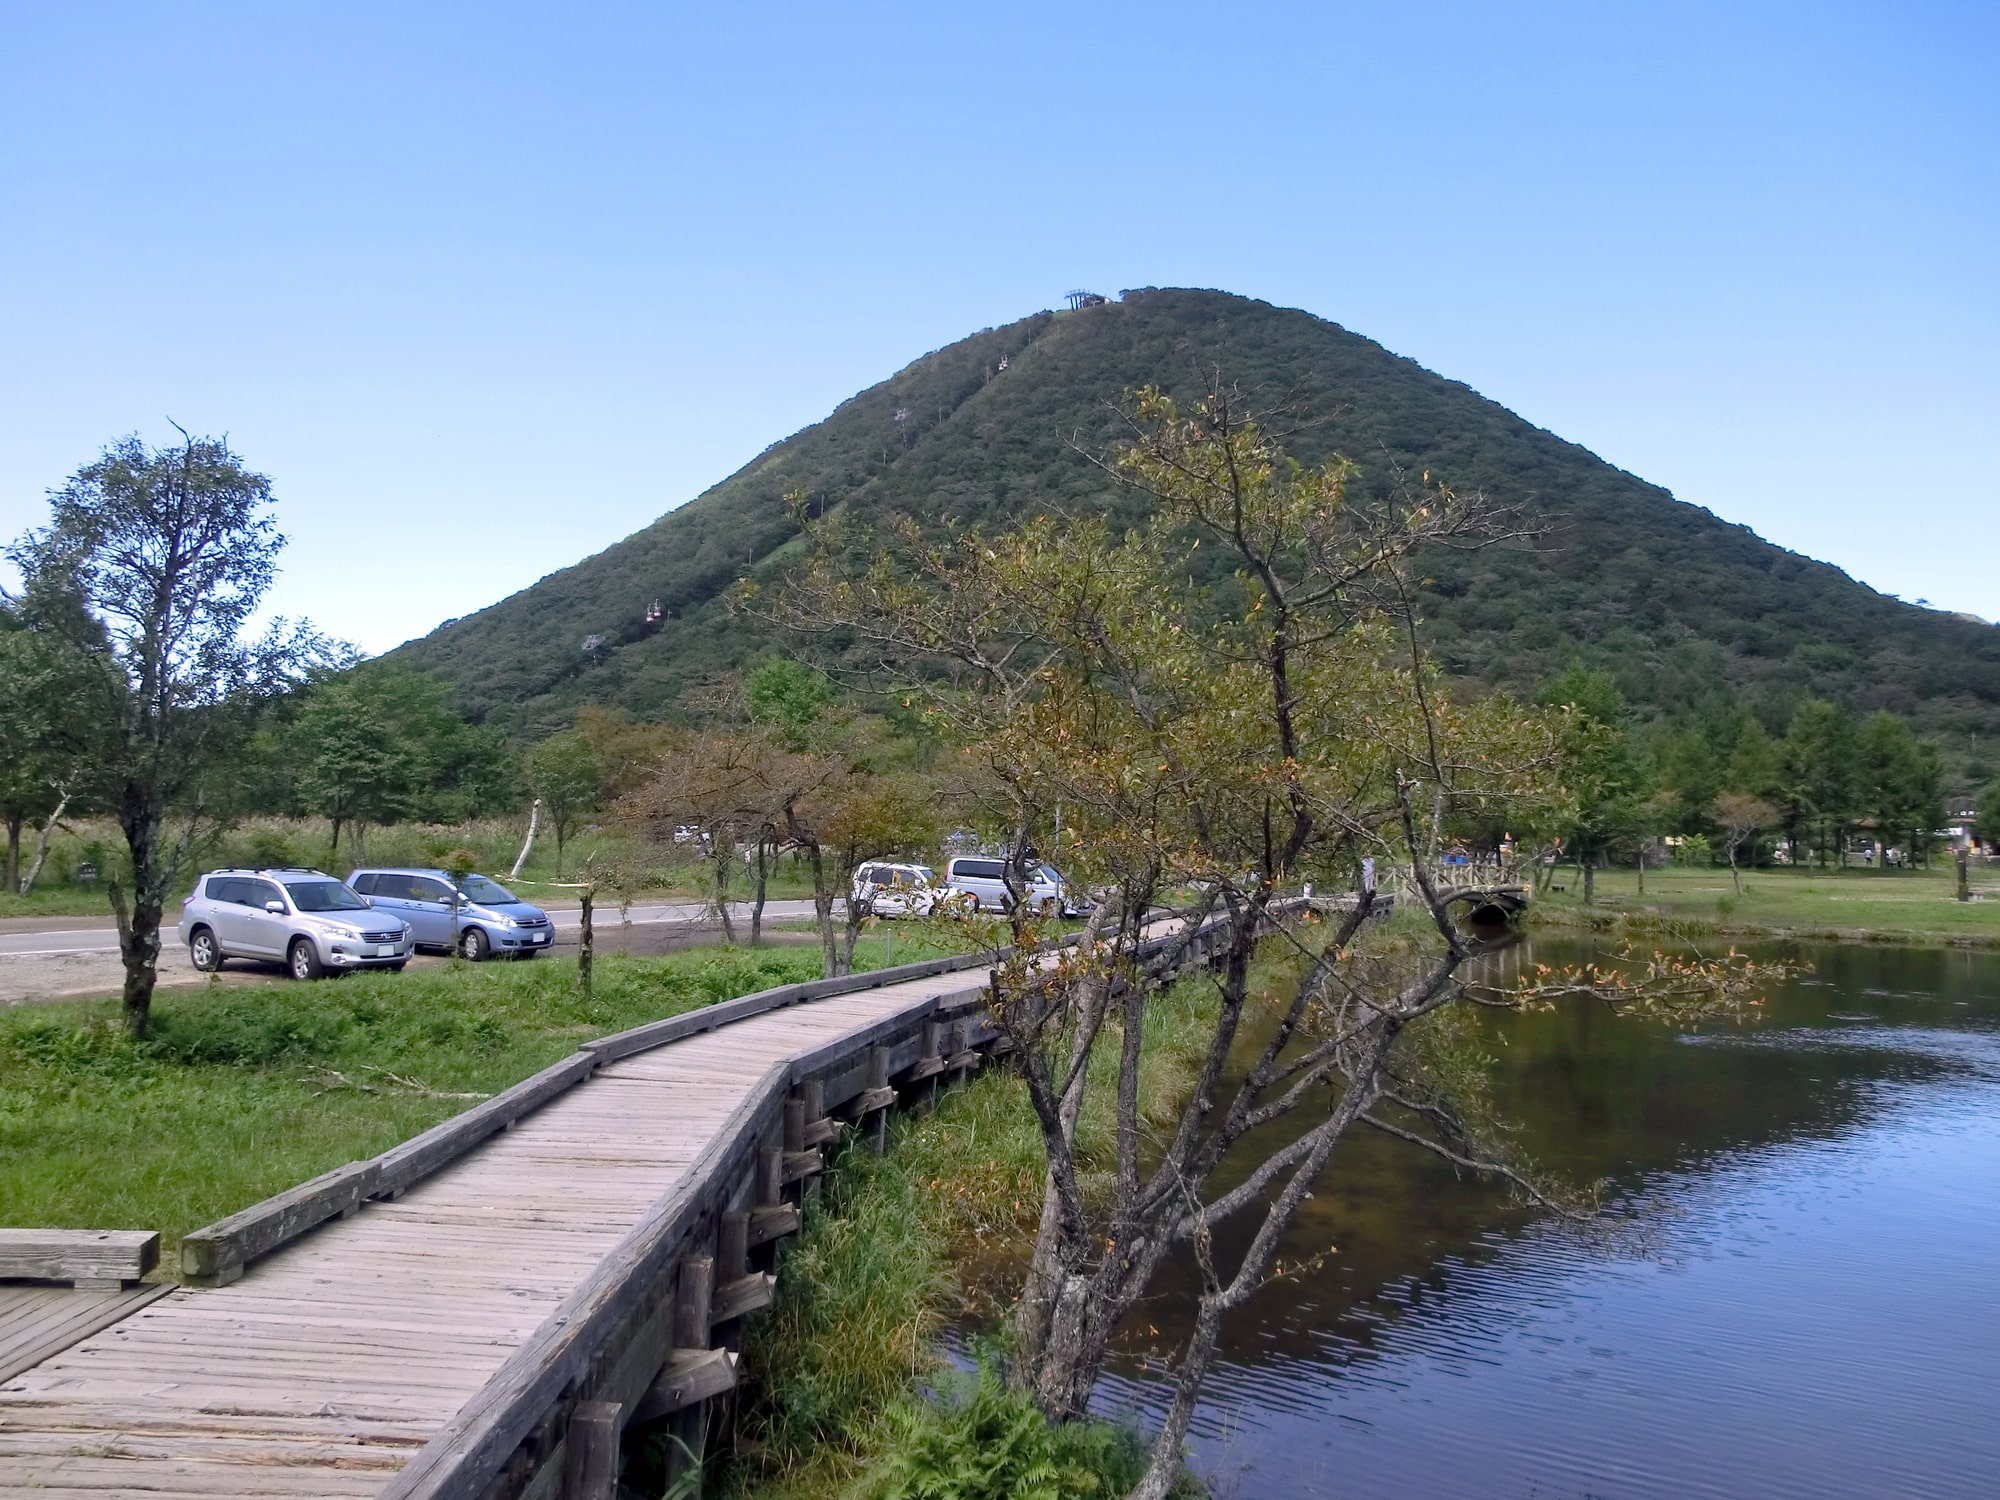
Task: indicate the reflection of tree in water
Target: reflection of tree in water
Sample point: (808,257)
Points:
(1594,1098)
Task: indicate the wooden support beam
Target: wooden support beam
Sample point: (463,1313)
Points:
(868,1101)
(770,1176)
(98,1260)
(799,1165)
(741,1297)
(590,1470)
(822,1132)
(773,1223)
(690,1375)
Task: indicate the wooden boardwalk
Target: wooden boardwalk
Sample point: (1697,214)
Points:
(338,1357)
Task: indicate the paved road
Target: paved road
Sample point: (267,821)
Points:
(45,959)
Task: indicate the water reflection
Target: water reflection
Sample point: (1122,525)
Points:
(1810,1311)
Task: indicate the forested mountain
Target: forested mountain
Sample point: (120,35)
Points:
(1682,608)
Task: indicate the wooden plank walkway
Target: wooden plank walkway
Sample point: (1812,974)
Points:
(336,1358)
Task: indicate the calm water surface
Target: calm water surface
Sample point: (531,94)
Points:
(1809,1305)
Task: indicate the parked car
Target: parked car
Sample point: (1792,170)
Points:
(307,920)
(892,890)
(984,878)
(476,916)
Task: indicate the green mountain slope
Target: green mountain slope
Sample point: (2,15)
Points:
(1681,605)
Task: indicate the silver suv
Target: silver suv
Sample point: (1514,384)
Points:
(306,920)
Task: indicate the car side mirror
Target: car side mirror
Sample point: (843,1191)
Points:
(366,900)
(275,908)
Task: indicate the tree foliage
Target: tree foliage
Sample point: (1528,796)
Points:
(1229,699)
(149,571)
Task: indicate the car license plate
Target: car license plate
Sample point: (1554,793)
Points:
(385,950)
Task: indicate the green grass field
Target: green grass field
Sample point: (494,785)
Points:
(244,1090)
(1856,904)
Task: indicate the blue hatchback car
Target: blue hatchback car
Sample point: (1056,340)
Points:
(479,917)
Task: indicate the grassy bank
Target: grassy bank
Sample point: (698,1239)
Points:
(897,1249)
(243,1091)
(1857,905)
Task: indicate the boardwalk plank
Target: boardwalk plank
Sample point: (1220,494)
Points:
(338,1356)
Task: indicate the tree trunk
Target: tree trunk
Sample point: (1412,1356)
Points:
(139,927)
(333,849)
(534,817)
(763,882)
(718,860)
(823,914)
(1964,873)
(42,846)
(586,950)
(14,821)
(1642,867)
(1735,875)
(1589,879)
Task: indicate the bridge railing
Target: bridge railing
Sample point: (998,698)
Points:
(640,1338)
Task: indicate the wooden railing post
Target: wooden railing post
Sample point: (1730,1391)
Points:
(878,1085)
(590,1471)
(691,1324)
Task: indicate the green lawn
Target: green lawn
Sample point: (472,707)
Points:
(1896,906)
(244,1090)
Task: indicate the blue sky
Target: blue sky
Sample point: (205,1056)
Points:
(485,288)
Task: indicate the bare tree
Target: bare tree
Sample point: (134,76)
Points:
(1742,816)
(1215,746)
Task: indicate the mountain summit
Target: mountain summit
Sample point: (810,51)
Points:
(1682,606)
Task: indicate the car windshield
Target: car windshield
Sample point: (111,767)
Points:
(323,895)
(1048,873)
(485,892)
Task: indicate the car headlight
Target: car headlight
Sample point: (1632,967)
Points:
(352,935)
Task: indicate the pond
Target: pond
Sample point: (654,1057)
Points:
(1802,1300)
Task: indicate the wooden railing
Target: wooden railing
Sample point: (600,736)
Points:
(646,1334)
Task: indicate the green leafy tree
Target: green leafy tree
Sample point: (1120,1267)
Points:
(45,738)
(151,567)
(1821,760)
(1600,772)
(1899,781)
(353,767)
(1989,815)
(789,696)
(564,771)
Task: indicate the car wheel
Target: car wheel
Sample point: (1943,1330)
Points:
(303,960)
(202,952)
(475,944)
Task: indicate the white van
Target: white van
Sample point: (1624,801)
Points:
(984,878)
(891,890)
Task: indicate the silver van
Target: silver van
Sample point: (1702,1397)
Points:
(304,919)
(984,878)
(477,916)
